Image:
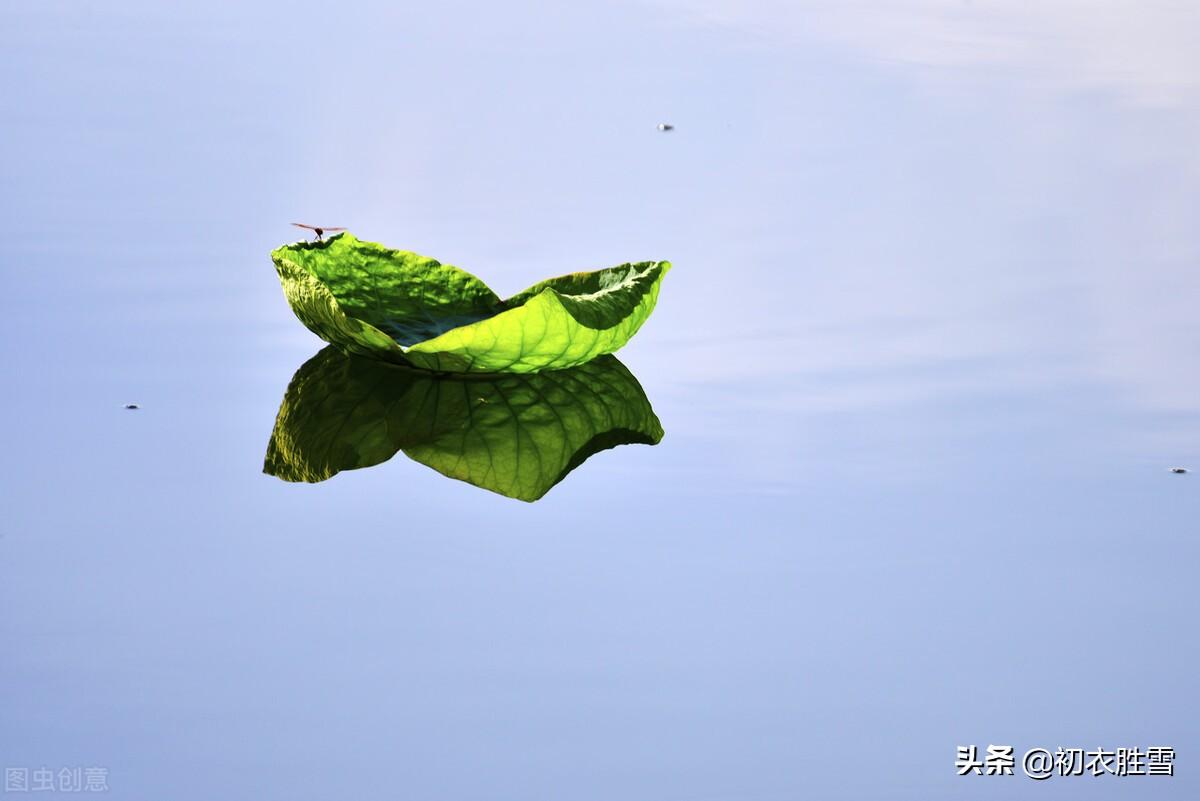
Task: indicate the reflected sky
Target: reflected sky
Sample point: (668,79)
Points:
(926,353)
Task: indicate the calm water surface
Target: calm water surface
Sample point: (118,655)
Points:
(927,353)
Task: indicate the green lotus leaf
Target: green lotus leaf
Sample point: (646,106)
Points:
(413,310)
(517,435)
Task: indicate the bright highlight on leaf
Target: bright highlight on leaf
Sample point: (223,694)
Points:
(409,309)
(517,435)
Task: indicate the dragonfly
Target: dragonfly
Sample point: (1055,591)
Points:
(318,230)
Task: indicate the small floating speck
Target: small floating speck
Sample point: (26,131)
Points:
(1179,469)
(132,406)
(665,126)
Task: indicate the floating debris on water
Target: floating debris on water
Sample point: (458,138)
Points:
(666,126)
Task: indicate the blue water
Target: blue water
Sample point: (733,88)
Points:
(927,353)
